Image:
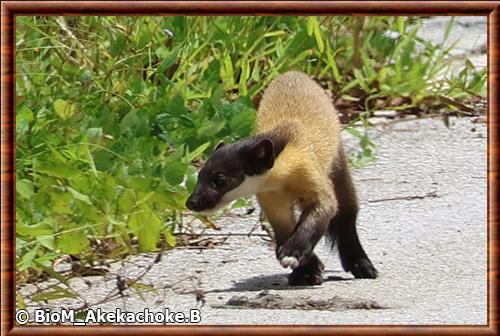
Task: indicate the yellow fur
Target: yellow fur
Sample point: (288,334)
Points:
(300,175)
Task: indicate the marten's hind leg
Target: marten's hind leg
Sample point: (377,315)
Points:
(342,229)
(278,210)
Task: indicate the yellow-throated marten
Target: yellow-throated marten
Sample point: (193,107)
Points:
(296,159)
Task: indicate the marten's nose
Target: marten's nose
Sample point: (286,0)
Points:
(193,203)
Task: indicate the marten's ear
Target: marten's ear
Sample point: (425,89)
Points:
(261,156)
(220,144)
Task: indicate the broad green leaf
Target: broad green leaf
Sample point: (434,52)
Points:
(47,241)
(43,228)
(61,201)
(24,115)
(174,172)
(55,168)
(64,109)
(25,188)
(126,201)
(170,60)
(243,122)
(211,128)
(28,258)
(94,133)
(117,45)
(72,241)
(146,226)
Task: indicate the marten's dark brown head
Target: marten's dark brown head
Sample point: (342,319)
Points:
(233,171)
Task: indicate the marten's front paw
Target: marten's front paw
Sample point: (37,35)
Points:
(292,253)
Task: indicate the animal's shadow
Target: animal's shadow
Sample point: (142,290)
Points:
(274,282)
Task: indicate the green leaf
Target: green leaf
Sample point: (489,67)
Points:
(243,122)
(145,197)
(311,21)
(64,109)
(170,60)
(61,201)
(47,241)
(170,239)
(354,132)
(169,235)
(146,226)
(361,79)
(197,152)
(191,178)
(140,183)
(42,228)
(94,133)
(24,116)
(72,242)
(319,38)
(55,168)
(333,65)
(144,37)
(140,288)
(297,44)
(227,71)
(25,188)
(53,274)
(28,258)
(211,128)
(129,121)
(400,24)
(126,201)
(118,45)
(79,196)
(20,303)
(174,172)
(55,293)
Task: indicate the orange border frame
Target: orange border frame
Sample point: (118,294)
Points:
(9,9)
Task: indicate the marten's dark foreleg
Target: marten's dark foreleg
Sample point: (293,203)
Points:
(278,209)
(310,272)
(342,229)
(311,226)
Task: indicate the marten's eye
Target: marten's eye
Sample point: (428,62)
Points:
(219,181)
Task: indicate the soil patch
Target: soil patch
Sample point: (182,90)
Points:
(266,300)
